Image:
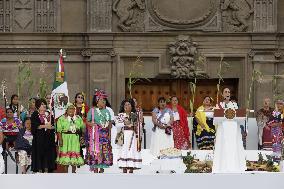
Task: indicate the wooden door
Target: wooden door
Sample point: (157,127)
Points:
(147,93)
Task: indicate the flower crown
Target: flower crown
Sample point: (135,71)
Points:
(100,94)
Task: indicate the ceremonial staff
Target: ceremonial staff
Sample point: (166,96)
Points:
(4,87)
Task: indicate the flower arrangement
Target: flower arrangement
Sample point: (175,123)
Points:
(263,165)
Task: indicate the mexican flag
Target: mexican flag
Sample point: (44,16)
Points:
(59,95)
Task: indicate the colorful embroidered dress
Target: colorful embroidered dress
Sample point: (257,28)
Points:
(99,150)
(129,155)
(69,152)
(10,130)
(180,129)
(264,131)
(276,134)
(204,136)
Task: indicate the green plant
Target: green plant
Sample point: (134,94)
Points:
(24,78)
(135,74)
(256,76)
(223,66)
(199,61)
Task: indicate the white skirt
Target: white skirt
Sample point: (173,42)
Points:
(160,141)
(229,153)
(129,157)
(114,131)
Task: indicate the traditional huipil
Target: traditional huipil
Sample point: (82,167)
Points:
(275,123)
(180,128)
(70,129)
(129,156)
(264,130)
(99,150)
(161,140)
(205,135)
(229,153)
(10,129)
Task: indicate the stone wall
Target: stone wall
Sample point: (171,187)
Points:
(103,37)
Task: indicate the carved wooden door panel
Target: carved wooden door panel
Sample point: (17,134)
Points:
(147,93)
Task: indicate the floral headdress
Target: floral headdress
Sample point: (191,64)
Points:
(99,93)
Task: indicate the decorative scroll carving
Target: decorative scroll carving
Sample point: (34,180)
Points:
(236,15)
(45,15)
(251,54)
(100,15)
(183,53)
(265,16)
(6,7)
(278,54)
(130,14)
(86,52)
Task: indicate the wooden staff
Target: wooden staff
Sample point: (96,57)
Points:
(4,94)
(138,136)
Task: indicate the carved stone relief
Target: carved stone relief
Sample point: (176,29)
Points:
(183,53)
(28,15)
(100,15)
(130,14)
(6,15)
(45,15)
(24,15)
(236,15)
(183,14)
(265,16)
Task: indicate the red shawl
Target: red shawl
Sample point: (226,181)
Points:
(2,113)
(183,120)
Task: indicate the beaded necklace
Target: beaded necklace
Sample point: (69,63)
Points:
(103,120)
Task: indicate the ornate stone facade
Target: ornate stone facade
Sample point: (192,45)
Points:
(103,37)
(6,15)
(236,15)
(100,15)
(183,58)
(28,15)
(265,14)
(130,14)
(204,16)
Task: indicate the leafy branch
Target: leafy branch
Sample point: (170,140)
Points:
(24,77)
(43,86)
(135,74)
(223,66)
(256,76)
(200,60)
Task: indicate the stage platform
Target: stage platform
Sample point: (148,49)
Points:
(151,164)
(146,178)
(145,181)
